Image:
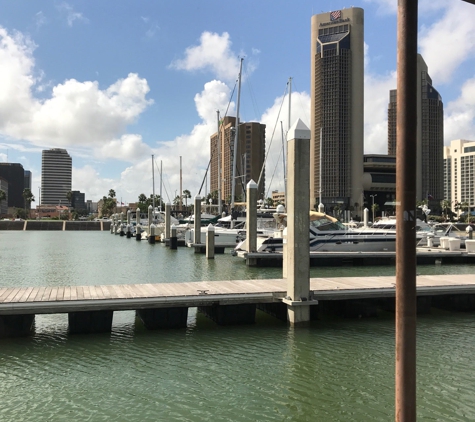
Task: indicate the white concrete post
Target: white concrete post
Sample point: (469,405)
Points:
(321,208)
(251,217)
(197,220)
(150,209)
(366,217)
(210,242)
(297,252)
(168,208)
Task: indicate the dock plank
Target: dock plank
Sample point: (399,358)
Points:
(126,296)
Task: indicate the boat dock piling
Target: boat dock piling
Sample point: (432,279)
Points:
(197,221)
(296,247)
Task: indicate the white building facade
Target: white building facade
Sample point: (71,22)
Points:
(459,172)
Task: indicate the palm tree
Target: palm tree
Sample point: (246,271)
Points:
(28,197)
(375,209)
(465,208)
(445,205)
(186,195)
(111,193)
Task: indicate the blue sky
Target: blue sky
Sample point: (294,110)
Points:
(115,81)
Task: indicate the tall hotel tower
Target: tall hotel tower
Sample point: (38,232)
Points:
(430,135)
(249,159)
(337,103)
(56,176)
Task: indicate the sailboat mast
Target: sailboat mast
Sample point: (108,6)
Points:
(153,187)
(320,169)
(181,188)
(219,166)
(283,161)
(236,137)
(290,104)
(161,182)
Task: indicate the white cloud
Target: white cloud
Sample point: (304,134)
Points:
(71,15)
(77,113)
(3,157)
(87,179)
(213,54)
(129,148)
(272,118)
(376,94)
(40,20)
(459,122)
(448,42)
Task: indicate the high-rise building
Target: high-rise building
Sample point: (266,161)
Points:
(459,174)
(430,136)
(78,200)
(17,180)
(56,176)
(250,156)
(337,104)
(4,203)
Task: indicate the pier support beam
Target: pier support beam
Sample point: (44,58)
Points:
(210,242)
(16,325)
(173,238)
(168,208)
(297,249)
(251,217)
(87,322)
(157,318)
(197,221)
(230,314)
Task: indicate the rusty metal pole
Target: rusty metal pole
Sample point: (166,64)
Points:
(405,407)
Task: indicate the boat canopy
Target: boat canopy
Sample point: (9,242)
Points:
(281,218)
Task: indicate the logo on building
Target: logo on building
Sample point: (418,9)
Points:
(334,16)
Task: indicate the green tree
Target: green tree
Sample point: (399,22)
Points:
(28,198)
(142,198)
(465,207)
(374,209)
(269,202)
(108,204)
(186,195)
(446,206)
(69,196)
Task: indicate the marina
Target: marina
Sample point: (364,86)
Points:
(338,368)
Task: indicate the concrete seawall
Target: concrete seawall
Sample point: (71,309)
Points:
(55,225)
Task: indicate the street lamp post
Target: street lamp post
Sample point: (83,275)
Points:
(372,196)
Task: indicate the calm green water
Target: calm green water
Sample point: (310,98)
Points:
(334,370)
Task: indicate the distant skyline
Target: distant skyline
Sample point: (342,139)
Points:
(114,82)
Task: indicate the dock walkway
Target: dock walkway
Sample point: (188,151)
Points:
(165,305)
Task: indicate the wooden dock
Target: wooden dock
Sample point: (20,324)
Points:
(162,302)
(424,256)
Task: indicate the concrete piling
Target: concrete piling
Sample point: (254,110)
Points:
(197,220)
(173,238)
(210,242)
(251,217)
(297,253)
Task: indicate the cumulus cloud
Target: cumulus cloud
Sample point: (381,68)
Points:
(272,118)
(87,179)
(448,42)
(376,94)
(459,122)
(213,54)
(129,147)
(77,113)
